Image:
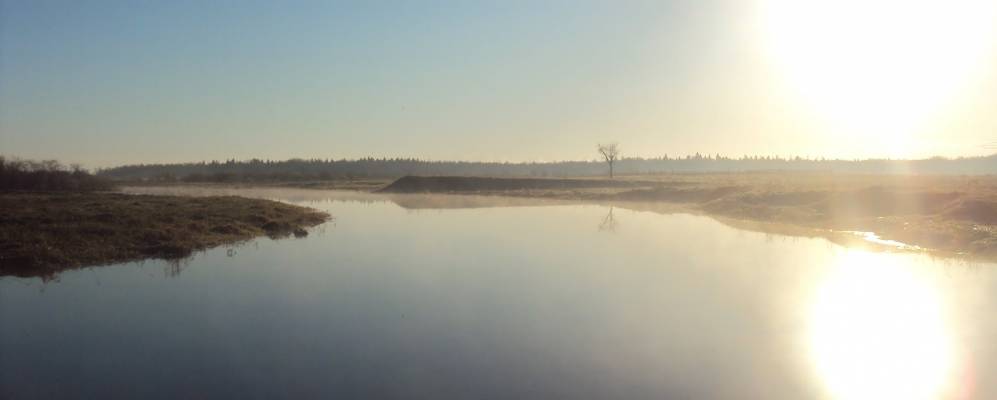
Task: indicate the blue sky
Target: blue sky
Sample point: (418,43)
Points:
(111,82)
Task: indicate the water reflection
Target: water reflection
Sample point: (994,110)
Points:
(878,331)
(514,302)
(608,223)
(864,240)
(174,267)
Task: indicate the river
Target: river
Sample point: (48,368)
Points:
(412,296)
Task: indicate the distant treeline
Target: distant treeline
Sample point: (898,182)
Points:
(49,175)
(256,170)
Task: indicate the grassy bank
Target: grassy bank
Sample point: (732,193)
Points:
(44,233)
(954,214)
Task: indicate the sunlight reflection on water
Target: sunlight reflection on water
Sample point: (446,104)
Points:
(878,330)
(453,297)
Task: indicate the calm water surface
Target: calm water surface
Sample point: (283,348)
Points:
(456,297)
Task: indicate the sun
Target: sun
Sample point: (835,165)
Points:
(878,67)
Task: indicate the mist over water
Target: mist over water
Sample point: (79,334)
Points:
(411,296)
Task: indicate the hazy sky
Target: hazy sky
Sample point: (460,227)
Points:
(111,82)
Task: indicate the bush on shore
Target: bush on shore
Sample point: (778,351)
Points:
(48,175)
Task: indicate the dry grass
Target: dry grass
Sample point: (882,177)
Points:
(44,233)
(955,214)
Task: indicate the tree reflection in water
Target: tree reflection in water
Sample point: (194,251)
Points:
(608,223)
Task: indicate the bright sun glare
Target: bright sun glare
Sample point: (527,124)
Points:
(879,69)
(878,331)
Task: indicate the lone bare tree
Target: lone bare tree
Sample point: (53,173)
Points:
(610,152)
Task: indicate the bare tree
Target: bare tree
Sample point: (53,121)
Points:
(610,152)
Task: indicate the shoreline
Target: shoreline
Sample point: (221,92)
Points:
(950,215)
(44,233)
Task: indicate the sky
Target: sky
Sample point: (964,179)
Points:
(106,83)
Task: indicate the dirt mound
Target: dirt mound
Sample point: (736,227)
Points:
(677,195)
(879,202)
(470,184)
(978,211)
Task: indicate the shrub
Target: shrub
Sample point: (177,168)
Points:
(47,175)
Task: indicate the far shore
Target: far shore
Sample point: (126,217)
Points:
(943,214)
(940,213)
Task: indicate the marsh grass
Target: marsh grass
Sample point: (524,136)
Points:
(44,233)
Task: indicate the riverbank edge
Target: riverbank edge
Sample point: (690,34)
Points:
(949,216)
(44,233)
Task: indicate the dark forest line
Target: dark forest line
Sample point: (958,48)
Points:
(329,169)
